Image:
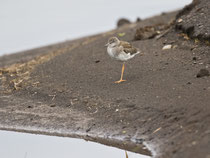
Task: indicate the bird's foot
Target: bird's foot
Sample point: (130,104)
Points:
(119,81)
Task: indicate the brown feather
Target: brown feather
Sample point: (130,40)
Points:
(128,48)
(125,44)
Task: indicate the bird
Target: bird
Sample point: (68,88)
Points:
(121,51)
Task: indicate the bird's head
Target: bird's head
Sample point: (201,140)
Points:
(113,42)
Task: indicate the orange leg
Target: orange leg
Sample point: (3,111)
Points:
(121,78)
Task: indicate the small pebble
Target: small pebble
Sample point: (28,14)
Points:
(169,46)
(194,58)
(194,143)
(180,20)
(202,73)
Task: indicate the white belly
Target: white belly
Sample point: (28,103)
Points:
(111,52)
(122,56)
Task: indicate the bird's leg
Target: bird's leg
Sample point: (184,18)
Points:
(121,78)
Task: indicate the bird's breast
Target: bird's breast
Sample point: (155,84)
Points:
(111,52)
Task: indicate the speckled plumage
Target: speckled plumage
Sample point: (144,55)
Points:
(121,50)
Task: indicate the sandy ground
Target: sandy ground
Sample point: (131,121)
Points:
(68,89)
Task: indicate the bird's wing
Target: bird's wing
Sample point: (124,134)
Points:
(131,50)
(128,48)
(125,44)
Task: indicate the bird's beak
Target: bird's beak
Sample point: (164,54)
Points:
(106,45)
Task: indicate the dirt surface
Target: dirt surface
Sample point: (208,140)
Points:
(68,89)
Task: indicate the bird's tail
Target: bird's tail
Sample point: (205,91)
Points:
(137,52)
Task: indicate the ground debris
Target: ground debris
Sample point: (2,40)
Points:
(155,131)
(17,74)
(149,32)
(122,22)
